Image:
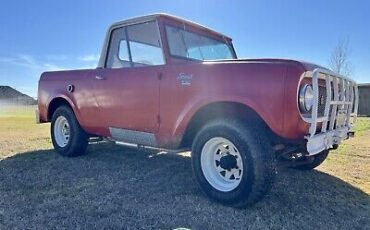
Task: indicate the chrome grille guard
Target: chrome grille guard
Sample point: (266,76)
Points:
(340,112)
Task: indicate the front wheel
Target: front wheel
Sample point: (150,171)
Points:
(233,162)
(68,138)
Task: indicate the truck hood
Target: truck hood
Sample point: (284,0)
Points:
(307,66)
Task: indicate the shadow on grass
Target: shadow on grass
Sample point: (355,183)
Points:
(114,187)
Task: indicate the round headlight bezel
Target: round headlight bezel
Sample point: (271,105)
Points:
(306,98)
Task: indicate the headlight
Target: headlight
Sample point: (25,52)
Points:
(306,98)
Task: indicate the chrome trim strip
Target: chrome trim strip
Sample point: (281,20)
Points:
(301,99)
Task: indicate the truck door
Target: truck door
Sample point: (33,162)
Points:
(127,89)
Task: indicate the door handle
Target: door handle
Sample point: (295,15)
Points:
(97,77)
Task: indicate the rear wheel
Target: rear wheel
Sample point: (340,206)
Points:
(68,138)
(233,162)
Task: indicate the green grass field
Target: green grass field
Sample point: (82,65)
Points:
(116,187)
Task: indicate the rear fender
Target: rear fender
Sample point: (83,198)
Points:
(69,102)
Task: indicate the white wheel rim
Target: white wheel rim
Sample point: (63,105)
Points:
(222,164)
(62,131)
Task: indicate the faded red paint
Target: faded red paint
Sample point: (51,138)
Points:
(133,98)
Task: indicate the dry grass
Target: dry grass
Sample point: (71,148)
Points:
(19,132)
(351,162)
(114,187)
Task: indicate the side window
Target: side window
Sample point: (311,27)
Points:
(176,42)
(144,44)
(142,41)
(194,42)
(123,51)
(118,55)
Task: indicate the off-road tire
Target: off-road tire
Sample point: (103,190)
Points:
(78,139)
(312,161)
(257,156)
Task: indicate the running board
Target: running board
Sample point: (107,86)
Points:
(131,136)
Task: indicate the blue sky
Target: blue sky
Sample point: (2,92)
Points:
(37,36)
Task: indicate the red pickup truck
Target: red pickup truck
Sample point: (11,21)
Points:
(168,83)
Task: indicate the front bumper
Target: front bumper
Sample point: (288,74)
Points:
(341,104)
(323,141)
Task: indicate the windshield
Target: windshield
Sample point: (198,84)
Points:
(190,45)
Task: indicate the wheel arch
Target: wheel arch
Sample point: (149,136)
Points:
(58,101)
(217,110)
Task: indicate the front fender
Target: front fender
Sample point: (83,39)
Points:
(273,119)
